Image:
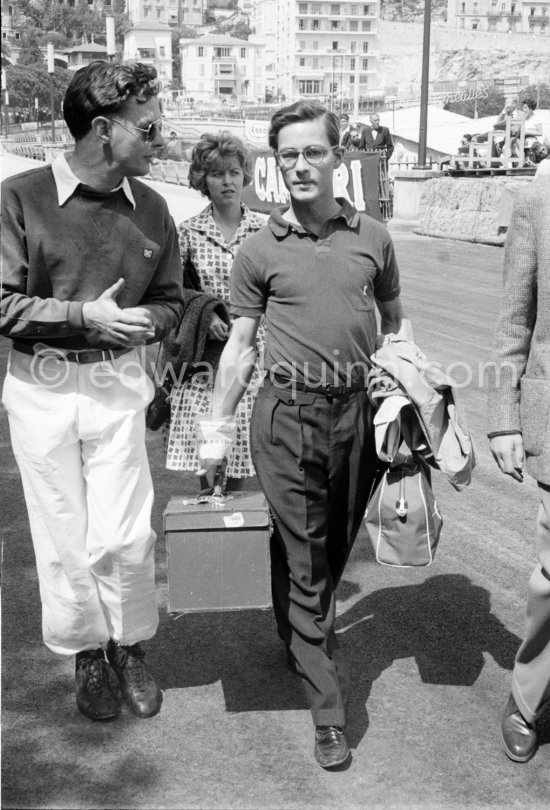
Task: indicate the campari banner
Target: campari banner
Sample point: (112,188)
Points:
(356,179)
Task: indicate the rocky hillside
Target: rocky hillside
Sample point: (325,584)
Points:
(457,55)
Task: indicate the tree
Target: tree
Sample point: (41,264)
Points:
(27,82)
(492,104)
(540,92)
(31,52)
(183,32)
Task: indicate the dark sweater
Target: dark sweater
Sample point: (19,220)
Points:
(55,258)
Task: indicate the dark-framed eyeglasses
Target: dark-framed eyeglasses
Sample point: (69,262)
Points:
(313,154)
(151,132)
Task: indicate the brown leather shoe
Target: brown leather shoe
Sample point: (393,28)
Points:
(519,737)
(139,690)
(331,746)
(95,697)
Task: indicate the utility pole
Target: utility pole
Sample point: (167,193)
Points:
(425,87)
(356,90)
(110,31)
(51,71)
(6,100)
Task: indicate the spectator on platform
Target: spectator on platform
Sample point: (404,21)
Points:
(543,168)
(345,130)
(220,169)
(91,271)
(376,138)
(173,149)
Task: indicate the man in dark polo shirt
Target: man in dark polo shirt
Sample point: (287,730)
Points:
(317,271)
(90,271)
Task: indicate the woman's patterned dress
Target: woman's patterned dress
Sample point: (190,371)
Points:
(202,242)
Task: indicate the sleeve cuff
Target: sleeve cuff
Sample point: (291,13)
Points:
(503,433)
(75,315)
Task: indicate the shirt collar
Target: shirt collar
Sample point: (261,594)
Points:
(204,222)
(67,182)
(282,227)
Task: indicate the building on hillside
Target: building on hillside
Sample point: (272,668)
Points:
(150,42)
(504,16)
(192,12)
(81,55)
(324,50)
(11,30)
(264,23)
(220,66)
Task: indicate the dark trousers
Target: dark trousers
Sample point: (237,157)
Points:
(315,460)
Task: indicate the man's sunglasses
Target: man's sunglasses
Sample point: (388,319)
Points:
(313,154)
(152,132)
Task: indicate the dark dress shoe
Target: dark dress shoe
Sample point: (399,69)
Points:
(331,746)
(95,697)
(139,690)
(519,737)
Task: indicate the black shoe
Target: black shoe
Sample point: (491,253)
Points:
(95,697)
(519,737)
(331,746)
(139,690)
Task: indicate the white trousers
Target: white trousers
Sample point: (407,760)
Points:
(78,435)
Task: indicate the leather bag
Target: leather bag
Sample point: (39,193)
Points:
(403,520)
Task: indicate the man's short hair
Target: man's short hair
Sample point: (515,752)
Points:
(303,111)
(102,88)
(210,151)
(344,117)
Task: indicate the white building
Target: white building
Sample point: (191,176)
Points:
(323,49)
(151,43)
(520,16)
(167,11)
(220,66)
(81,55)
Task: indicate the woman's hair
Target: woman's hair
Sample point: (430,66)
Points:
(102,88)
(531,103)
(303,111)
(210,152)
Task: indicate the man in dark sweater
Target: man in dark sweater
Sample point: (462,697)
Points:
(91,272)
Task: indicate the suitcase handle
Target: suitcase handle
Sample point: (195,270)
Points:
(217,493)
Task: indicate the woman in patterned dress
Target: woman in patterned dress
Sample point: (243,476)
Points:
(220,168)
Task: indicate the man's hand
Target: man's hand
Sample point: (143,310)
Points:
(126,327)
(218,329)
(508,453)
(215,439)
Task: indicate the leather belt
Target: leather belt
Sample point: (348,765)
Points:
(80,356)
(324,390)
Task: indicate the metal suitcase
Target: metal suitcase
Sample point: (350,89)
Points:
(218,552)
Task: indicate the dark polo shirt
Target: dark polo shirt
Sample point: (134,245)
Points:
(318,293)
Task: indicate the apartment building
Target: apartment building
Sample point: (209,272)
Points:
(504,16)
(150,43)
(167,11)
(220,66)
(323,50)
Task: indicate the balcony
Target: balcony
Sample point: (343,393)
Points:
(224,70)
(538,18)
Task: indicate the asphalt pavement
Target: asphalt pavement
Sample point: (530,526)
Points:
(431,649)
